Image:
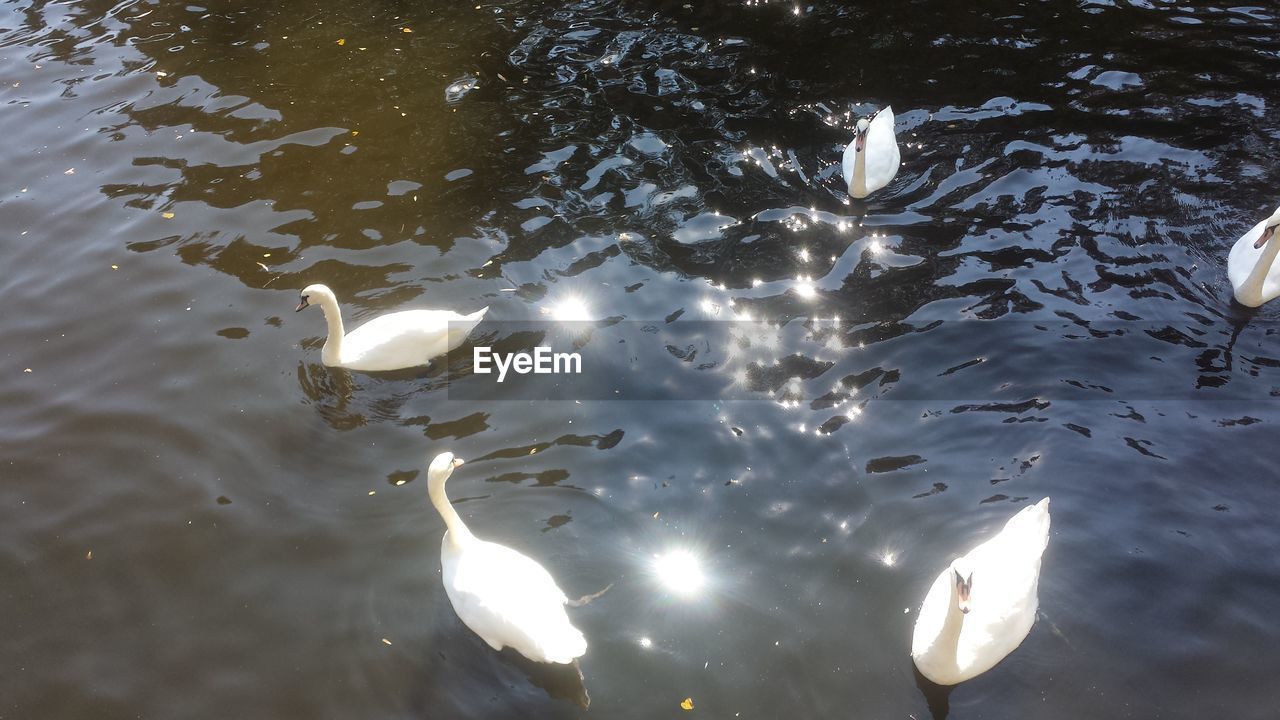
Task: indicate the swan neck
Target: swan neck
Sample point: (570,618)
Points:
(332,352)
(459,534)
(1250,292)
(948,641)
(860,169)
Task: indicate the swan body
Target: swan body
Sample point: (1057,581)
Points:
(872,159)
(505,597)
(1252,267)
(388,342)
(983,605)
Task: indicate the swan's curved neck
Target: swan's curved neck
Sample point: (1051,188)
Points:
(458,532)
(1250,293)
(860,170)
(946,645)
(332,352)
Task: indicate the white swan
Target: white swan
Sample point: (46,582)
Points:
(983,605)
(503,596)
(872,159)
(1254,273)
(389,342)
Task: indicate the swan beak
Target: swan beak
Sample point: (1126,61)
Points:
(457,462)
(859,141)
(962,593)
(1267,233)
(302,305)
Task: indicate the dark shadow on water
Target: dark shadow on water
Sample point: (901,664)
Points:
(560,682)
(938,697)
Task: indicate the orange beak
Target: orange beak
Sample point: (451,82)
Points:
(1267,234)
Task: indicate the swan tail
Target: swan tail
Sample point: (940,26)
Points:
(567,645)
(476,316)
(1031,525)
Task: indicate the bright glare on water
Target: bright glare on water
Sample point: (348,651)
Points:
(680,572)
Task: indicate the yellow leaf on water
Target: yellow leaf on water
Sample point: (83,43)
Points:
(115,267)
(342,41)
(264,267)
(167,216)
(26,370)
(88,555)
(386,641)
(687,703)
(355,133)
(405,30)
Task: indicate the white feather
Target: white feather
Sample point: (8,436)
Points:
(1254,272)
(505,597)
(879,157)
(950,646)
(389,342)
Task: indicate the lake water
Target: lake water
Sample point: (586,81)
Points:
(199,520)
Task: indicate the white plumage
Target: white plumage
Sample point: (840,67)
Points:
(982,606)
(872,159)
(1252,266)
(389,342)
(504,596)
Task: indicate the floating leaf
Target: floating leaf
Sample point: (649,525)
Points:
(405,30)
(687,703)
(342,41)
(386,641)
(167,216)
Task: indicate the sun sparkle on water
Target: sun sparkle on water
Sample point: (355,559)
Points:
(680,572)
(570,309)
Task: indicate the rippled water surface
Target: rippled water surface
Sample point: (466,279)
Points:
(199,520)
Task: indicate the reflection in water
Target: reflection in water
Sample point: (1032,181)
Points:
(680,572)
(659,161)
(937,697)
(570,309)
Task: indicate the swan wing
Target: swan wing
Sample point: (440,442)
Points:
(406,339)
(1005,592)
(883,157)
(507,598)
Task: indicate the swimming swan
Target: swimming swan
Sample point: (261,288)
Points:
(983,605)
(388,342)
(503,596)
(1254,274)
(872,159)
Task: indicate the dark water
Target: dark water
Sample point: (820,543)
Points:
(197,520)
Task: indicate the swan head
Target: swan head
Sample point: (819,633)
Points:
(316,294)
(860,136)
(1268,230)
(442,467)
(962,576)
